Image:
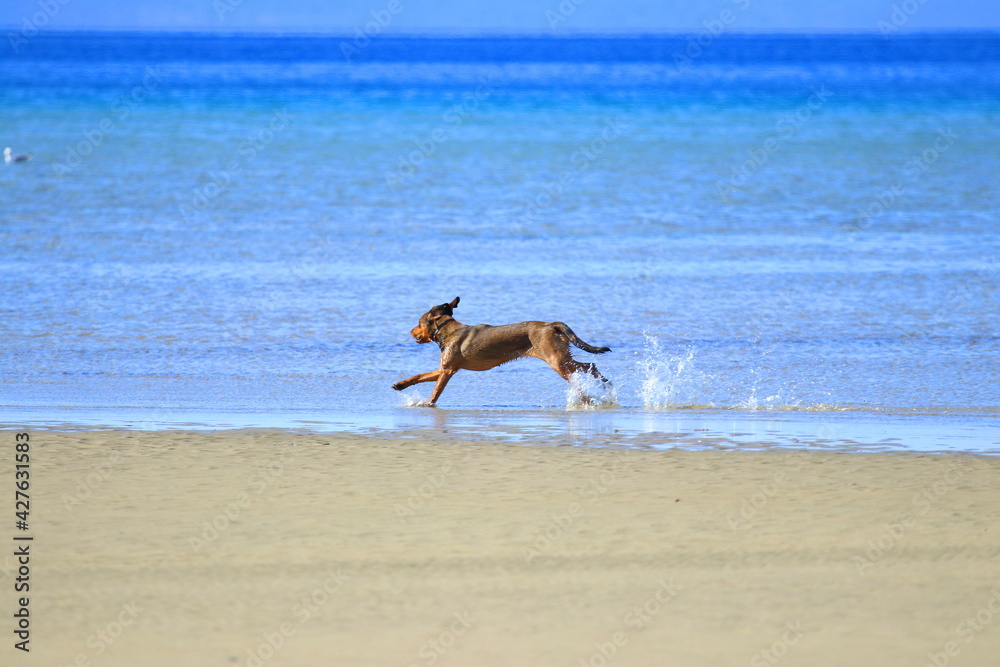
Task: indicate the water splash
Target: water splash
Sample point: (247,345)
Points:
(412,399)
(761,380)
(585,392)
(668,381)
(753,402)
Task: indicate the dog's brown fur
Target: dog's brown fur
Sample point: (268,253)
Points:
(482,347)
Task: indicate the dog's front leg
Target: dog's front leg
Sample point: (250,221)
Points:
(442,381)
(417,379)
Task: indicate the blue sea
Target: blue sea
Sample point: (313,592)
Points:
(786,240)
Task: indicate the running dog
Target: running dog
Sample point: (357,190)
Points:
(483,346)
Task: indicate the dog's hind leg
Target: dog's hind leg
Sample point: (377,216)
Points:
(567,367)
(570,366)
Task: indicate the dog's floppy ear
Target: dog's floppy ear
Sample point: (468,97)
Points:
(445,308)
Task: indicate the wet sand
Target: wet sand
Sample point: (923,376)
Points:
(283,548)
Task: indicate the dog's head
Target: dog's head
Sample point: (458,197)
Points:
(431,321)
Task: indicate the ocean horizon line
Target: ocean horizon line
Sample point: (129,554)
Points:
(374,45)
(524,34)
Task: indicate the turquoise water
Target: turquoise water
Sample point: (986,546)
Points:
(243,230)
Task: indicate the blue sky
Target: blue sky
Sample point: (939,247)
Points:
(532,16)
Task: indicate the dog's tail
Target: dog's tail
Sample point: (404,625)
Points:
(573,338)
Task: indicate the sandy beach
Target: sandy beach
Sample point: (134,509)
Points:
(286,548)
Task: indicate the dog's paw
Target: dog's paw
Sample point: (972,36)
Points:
(399,386)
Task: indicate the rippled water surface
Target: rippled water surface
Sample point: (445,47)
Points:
(245,229)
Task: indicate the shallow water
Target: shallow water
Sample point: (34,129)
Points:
(246,229)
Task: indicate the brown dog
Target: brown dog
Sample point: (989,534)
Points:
(482,347)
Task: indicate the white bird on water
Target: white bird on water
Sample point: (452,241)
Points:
(8,156)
